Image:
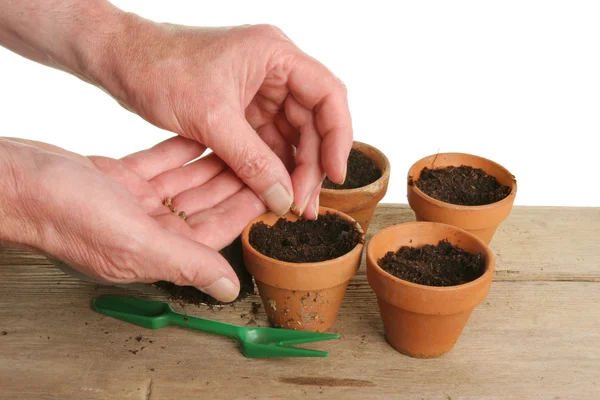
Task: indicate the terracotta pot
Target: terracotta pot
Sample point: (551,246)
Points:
(360,203)
(482,221)
(300,296)
(425,321)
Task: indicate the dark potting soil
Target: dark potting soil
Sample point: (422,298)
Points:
(191,295)
(462,185)
(362,171)
(443,264)
(303,240)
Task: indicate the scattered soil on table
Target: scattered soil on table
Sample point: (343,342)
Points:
(362,171)
(4,333)
(253,314)
(443,264)
(303,240)
(462,185)
(191,295)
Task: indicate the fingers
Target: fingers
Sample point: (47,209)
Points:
(286,130)
(313,203)
(316,88)
(309,174)
(208,195)
(219,226)
(130,180)
(233,139)
(197,173)
(169,154)
(280,146)
(174,258)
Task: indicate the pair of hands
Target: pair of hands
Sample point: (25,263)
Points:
(276,120)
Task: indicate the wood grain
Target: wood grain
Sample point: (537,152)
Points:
(535,337)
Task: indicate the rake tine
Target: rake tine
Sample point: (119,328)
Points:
(308,337)
(276,351)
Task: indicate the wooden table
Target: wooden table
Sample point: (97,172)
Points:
(537,335)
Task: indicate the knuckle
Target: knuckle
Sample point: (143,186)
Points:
(342,86)
(187,276)
(268,30)
(252,166)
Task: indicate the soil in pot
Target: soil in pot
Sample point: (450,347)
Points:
(462,185)
(301,241)
(361,171)
(443,264)
(190,295)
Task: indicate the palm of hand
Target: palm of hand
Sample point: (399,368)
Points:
(206,201)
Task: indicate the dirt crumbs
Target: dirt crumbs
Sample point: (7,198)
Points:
(362,171)
(191,295)
(303,240)
(462,185)
(434,265)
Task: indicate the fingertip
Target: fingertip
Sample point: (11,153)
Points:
(223,289)
(278,199)
(335,159)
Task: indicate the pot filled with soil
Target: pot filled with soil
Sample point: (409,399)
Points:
(302,267)
(467,191)
(428,278)
(367,178)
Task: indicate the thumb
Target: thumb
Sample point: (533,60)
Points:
(233,139)
(174,258)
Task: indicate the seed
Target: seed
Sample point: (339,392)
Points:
(182,215)
(168,202)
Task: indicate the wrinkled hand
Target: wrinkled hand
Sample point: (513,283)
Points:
(106,217)
(277,117)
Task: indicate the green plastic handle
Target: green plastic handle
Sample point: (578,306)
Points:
(204,325)
(154,315)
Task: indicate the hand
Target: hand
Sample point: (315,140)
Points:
(106,217)
(277,117)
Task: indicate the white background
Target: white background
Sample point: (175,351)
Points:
(514,81)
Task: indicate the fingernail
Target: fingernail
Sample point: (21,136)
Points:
(345,172)
(317,208)
(223,290)
(302,208)
(278,199)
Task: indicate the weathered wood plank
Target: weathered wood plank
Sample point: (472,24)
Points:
(536,336)
(528,340)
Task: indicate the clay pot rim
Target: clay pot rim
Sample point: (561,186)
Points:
(385,173)
(460,207)
(307,265)
(486,276)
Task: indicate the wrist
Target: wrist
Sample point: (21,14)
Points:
(93,45)
(108,62)
(16,196)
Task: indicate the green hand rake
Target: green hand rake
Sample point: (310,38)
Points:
(255,342)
